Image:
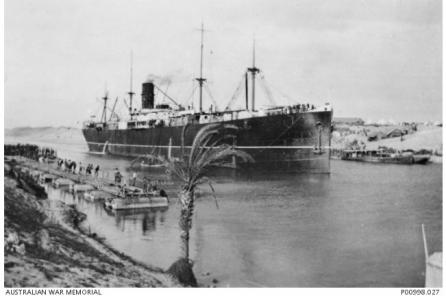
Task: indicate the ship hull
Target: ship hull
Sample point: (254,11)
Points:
(279,142)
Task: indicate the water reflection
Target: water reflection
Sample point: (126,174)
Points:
(148,218)
(358,226)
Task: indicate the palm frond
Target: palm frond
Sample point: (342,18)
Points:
(210,153)
(215,133)
(214,156)
(221,153)
(175,167)
(202,135)
(209,182)
(196,147)
(207,149)
(208,145)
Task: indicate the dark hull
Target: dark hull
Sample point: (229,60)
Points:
(383,160)
(421,159)
(281,141)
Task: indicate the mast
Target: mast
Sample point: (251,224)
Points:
(131,93)
(201,80)
(253,72)
(246,91)
(104,112)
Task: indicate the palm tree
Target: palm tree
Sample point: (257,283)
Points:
(208,148)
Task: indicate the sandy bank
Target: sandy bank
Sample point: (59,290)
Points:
(429,138)
(41,250)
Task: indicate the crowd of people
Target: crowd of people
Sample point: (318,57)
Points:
(25,150)
(303,107)
(47,153)
(30,151)
(71,166)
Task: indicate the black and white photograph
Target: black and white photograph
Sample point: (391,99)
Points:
(222,144)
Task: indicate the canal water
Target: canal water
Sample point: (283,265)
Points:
(360,226)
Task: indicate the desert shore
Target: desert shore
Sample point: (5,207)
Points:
(42,248)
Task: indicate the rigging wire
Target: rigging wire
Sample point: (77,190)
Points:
(210,95)
(125,102)
(236,93)
(113,111)
(289,99)
(167,89)
(97,112)
(168,97)
(266,89)
(108,108)
(191,95)
(102,115)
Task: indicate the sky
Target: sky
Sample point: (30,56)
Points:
(374,59)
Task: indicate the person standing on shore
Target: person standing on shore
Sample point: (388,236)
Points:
(96,171)
(134,179)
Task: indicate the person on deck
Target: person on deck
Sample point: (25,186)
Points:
(117,176)
(123,190)
(163,193)
(145,184)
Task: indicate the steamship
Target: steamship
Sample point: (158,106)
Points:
(293,138)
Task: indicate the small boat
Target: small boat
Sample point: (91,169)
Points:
(132,191)
(147,161)
(132,197)
(378,156)
(96,195)
(152,162)
(129,202)
(47,178)
(81,187)
(421,158)
(60,182)
(144,165)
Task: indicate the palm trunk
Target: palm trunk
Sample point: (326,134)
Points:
(187,208)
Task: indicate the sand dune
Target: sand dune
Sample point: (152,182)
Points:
(67,135)
(430,138)
(426,137)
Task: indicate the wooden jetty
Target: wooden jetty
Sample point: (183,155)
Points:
(90,183)
(50,171)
